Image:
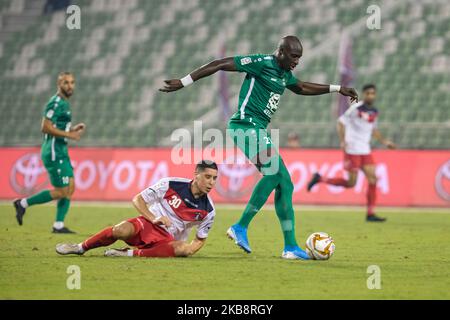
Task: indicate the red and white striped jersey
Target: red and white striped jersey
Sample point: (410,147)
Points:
(172,198)
(359,121)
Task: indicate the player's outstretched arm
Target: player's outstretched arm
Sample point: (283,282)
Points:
(312,89)
(48,128)
(225,64)
(379,137)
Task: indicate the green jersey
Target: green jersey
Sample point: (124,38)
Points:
(262,88)
(59,113)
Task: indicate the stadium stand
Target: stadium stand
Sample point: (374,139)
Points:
(125,48)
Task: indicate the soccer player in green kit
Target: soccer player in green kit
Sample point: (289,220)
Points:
(266,78)
(57,129)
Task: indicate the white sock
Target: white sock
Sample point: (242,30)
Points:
(130,253)
(80,247)
(58,225)
(24,203)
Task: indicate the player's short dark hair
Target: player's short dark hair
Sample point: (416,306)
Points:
(369,86)
(206,164)
(65,73)
(62,74)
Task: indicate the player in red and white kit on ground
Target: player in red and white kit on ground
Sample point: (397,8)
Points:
(356,127)
(169,209)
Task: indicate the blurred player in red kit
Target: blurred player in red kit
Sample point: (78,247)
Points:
(169,209)
(355,128)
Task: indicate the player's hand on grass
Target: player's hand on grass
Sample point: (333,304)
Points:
(171,85)
(164,221)
(349,92)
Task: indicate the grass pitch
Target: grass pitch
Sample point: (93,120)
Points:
(411,249)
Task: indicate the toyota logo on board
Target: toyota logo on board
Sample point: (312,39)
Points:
(28,174)
(442,181)
(236,178)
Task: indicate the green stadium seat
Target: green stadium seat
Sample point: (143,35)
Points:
(409,116)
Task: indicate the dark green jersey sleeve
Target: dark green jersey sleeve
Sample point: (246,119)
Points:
(252,64)
(50,112)
(291,80)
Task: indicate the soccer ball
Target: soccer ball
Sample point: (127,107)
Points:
(320,246)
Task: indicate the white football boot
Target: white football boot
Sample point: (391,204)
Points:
(69,248)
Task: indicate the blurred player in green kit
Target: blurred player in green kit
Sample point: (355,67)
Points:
(57,129)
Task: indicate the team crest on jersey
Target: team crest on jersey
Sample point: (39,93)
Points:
(246,60)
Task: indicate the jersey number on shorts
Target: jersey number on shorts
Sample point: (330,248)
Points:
(267,140)
(174,201)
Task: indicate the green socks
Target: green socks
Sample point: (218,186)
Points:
(38,198)
(259,196)
(285,213)
(282,184)
(62,208)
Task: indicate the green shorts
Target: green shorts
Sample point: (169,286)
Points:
(254,141)
(59,170)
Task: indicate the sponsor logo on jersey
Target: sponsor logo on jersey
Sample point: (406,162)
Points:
(246,60)
(272,104)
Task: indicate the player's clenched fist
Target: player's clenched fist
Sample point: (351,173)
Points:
(171,85)
(164,221)
(79,127)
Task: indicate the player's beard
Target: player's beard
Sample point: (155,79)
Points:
(66,93)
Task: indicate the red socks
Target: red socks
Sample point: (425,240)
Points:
(371,198)
(102,239)
(335,181)
(164,249)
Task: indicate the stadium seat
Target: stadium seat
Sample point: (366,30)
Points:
(120,58)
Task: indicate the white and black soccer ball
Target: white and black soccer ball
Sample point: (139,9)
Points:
(320,246)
